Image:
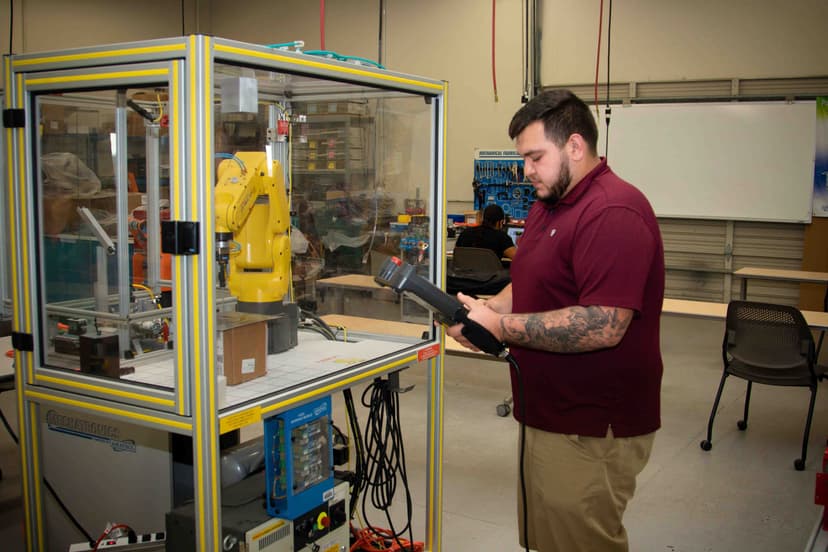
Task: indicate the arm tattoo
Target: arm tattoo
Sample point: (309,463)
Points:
(569,330)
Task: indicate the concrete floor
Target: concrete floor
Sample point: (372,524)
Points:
(744,495)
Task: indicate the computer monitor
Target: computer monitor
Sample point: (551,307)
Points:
(514,232)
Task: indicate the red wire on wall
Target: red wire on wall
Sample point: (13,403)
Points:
(598,55)
(494,71)
(322,24)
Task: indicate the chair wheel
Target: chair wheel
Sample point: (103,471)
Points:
(742,425)
(706,445)
(799,464)
(503,410)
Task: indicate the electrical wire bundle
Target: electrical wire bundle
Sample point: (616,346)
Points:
(380,462)
(380,540)
(358,483)
(313,322)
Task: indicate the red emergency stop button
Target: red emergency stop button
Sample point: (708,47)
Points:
(323,521)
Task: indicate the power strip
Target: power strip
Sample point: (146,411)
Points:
(146,542)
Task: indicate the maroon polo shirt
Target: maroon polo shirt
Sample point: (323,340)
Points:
(600,245)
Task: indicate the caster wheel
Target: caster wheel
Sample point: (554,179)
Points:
(706,445)
(799,464)
(742,425)
(503,410)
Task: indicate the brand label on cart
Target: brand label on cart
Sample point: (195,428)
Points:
(87,429)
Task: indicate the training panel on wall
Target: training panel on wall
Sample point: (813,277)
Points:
(733,161)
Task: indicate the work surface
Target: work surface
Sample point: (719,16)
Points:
(353,281)
(387,327)
(313,358)
(817,320)
(781,274)
(700,309)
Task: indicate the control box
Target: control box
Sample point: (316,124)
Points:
(325,528)
(298,447)
(246,525)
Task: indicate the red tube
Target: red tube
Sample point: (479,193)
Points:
(494,71)
(598,54)
(321,24)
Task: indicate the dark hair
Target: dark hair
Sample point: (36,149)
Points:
(493,214)
(563,114)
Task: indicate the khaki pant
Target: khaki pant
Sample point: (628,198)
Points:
(577,489)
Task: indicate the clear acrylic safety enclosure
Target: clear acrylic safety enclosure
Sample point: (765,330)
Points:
(105,286)
(195,225)
(294,183)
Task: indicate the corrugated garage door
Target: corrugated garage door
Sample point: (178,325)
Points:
(701,254)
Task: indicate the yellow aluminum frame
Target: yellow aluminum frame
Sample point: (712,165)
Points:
(192,61)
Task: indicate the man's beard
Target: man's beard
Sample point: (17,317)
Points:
(559,188)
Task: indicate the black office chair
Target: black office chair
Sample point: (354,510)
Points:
(769,344)
(476,271)
(477,258)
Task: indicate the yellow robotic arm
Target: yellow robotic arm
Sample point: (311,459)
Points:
(252,222)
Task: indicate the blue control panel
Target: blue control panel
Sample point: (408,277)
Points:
(299,459)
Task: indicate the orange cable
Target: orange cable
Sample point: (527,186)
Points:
(381,540)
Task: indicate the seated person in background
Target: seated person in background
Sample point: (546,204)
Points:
(490,234)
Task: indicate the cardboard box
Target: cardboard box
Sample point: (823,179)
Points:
(135,124)
(58,212)
(53,118)
(473,217)
(335,195)
(83,121)
(241,346)
(354,108)
(133,201)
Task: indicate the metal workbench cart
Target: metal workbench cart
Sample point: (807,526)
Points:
(163,194)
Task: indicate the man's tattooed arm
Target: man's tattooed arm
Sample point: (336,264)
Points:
(569,330)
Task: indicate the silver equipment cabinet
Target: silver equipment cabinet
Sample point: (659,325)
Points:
(171,204)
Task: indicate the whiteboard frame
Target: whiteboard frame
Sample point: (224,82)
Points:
(717,160)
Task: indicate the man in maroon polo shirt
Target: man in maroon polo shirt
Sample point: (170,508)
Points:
(581,318)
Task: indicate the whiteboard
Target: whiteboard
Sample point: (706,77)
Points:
(733,161)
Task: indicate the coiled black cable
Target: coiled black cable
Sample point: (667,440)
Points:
(385,456)
(319,330)
(359,482)
(326,330)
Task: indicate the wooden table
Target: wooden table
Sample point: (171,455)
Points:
(390,327)
(801,276)
(817,320)
(375,325)
(357,293)
(350,281)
